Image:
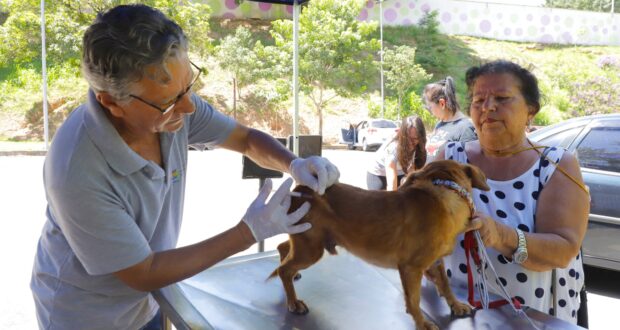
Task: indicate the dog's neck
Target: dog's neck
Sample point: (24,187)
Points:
(460,190)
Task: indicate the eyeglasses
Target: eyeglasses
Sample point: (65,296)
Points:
(179,97)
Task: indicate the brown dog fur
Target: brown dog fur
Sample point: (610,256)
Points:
(409,229)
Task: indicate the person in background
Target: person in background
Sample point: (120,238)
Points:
(396,157)
(534,218)
(440,100)
(115,179)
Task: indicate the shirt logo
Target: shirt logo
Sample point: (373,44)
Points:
(176,175)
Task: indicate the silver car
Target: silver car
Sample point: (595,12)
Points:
(595,140)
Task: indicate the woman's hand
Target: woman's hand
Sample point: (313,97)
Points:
(493,233)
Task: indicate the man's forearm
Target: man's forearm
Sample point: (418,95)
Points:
(268,152)
(167,267)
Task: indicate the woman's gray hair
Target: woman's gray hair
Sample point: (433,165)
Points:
(122,42)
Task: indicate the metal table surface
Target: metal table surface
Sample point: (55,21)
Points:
(342,292)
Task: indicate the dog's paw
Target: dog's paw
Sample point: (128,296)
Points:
(298,307)
(428,325)
(297,276)
(460,309)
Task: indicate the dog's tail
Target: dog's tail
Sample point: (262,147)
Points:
(273,274)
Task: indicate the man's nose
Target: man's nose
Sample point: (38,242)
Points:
(186,105)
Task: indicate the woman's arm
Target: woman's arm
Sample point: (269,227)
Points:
(561,222)
(561,219)
(391,175)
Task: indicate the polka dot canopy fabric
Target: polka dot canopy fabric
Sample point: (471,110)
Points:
(514,203)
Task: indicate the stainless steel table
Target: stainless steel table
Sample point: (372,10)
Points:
(342,292)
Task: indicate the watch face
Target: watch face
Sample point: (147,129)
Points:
(520,256)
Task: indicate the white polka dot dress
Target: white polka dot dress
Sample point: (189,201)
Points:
(513,203)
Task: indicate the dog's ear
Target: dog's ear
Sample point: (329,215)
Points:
(478,179)
(409,179)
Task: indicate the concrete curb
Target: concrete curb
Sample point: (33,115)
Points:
(23,153)
(8,153)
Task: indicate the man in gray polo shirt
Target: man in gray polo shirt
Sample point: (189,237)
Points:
(115,179)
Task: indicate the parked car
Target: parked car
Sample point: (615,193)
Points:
(368,134)
(595,140)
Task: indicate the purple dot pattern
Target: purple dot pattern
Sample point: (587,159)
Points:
(489,20)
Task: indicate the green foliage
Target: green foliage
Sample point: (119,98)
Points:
(591,5)
(438,54)
(235,54)
(401,71)
(335,50)
(429,23)
(390,109)
(415,105)
(66,21)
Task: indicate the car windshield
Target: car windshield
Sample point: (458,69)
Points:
(383,124)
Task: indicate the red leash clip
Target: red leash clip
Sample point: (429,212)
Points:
(471,248)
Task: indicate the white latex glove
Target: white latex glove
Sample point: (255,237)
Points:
(314,172)
(270,219)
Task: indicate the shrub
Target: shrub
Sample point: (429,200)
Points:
(608,62)
(595,96)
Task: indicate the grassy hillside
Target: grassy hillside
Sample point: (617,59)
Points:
(574,81)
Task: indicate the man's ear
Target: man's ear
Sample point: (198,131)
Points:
(110,103)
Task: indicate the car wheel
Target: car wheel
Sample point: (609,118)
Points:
(365,145)
(351,146)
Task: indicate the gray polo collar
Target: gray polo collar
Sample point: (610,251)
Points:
(104,135)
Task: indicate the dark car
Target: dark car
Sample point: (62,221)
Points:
(595,140)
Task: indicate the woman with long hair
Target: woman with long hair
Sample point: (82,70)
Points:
(396,157)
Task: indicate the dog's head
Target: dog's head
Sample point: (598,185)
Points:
(466,175)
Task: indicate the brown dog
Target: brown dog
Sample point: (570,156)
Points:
(409,229)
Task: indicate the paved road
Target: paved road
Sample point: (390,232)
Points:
(216,199)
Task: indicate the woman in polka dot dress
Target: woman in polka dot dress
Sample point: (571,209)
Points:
(528,197)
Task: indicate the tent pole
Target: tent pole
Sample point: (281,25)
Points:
(296,10)
(44,76)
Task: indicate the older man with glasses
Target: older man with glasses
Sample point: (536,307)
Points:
(115,178)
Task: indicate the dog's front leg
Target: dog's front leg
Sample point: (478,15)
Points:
(411,278)
(437,274)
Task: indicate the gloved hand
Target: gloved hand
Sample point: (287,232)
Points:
(317,173)
(270,219)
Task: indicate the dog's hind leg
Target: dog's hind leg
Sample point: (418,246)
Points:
(303,257)
(437,274)
(411,278)
(283,250)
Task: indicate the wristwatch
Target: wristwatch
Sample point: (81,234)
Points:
(520,254)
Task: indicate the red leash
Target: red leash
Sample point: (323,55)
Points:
(471,247)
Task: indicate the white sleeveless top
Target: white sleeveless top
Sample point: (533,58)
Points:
(513,203)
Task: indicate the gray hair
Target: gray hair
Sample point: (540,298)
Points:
(122,42)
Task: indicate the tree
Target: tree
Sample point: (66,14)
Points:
(401,71)
(591,5)
(335,51)
(66,21)
(235,54)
